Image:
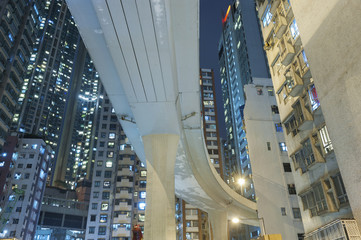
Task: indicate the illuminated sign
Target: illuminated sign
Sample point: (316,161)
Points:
(225,17)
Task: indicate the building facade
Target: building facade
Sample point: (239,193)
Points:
(118,193)
(210,120)
(60,93)
(277,202)
(332,48)
(318,181)
(241,58)
(21,209)
(191,222)
(63,215)
(19,24)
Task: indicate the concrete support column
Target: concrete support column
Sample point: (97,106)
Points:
(219,223)
(160,152)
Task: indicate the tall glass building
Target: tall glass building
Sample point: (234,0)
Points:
(59,95)
(19,22)
(241,58)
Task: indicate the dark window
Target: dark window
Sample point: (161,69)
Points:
(283,211)
(29,165)
(105,195)
(296,213)
(268,146)
(93,217)
(98,173)
(287,167)
(274,109)
(108,174)
(102,230)
(291,189)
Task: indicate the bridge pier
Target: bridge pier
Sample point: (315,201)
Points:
(160,152)
(219,224)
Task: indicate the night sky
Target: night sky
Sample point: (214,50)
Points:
(210,31)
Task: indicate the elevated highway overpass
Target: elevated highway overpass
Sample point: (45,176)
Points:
(147,55)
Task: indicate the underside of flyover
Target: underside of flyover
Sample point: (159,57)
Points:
(147,55)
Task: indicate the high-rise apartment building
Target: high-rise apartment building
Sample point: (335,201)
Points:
(59,95)
(191,222)
(19,22)
(318,182)
(241,58)
(210,121)
(332,47)
(26,180)
(118,183)
(277,202)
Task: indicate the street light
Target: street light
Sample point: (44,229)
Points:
(262,225)
(241,182)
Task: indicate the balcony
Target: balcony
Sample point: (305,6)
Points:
(301,66)
(122,218)
(308,155)
(124,184)
(338,229)
(123,195)
(122,233)
(303,116)
(286,50)
(299,120)
(123,206)
(293,83)
(125,172)
(279,24)
(274,5)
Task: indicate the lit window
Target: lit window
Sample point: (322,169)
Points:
(111,144)
(143,195)
(109,164)
(283,147)
(267,16)
(11,37)
(2,163)
(42,174)
(141,206)
(305,58)
(104,206)
(294,29)
(17,176)
(315,103)
(143,173)
(111,135)
(278,127)
(141,217)
(106,184)
(34,146)
(103,218)
(110,154)
(326,141)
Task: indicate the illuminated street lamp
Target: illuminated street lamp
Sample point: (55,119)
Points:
(262,225)
(241,182)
